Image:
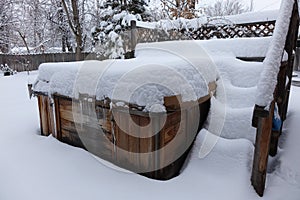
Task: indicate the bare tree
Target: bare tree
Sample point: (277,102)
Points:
(59,26)
(180,8)
(28,24)
(72,13)
(40,24)
(228,7)
(5,25)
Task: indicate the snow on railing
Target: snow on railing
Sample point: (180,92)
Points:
(272,62)
(181,23)
(273,91)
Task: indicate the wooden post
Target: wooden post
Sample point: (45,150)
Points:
(274,142)
(262,146)
(45,115)
(133,37)
(290,47)
(297,57)
(58,133)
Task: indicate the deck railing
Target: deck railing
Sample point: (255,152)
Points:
(263,119)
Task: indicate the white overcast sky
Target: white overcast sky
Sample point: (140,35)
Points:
(259,5)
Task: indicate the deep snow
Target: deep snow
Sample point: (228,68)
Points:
(35,167)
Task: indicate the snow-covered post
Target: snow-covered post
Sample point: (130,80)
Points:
(290,48)
(273,88)
(268,78)
(133,36)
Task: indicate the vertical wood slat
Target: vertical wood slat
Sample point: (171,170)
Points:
(261,152)
(156,130)
(122,140)
(43,115)
(145,145)
(57,118)
(133,34)
(46,115)
(51,117)
(131,152)
(133,142)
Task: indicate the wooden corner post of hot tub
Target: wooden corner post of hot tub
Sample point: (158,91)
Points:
(46,114)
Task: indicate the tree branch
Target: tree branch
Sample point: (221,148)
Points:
(69,17)
(24,41)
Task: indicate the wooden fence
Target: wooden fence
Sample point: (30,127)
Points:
(31,62)
(136,35)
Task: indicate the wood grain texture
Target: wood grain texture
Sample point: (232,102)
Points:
(151,144)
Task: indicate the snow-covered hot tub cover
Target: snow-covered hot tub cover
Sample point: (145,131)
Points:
(158,72)
(160,69)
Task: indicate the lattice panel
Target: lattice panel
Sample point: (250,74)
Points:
(147,35)
(206,32)
(151,35)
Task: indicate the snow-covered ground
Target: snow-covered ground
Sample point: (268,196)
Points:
(33,167)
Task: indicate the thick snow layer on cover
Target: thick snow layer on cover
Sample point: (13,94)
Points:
(157,71)
(268,78)
(47,70)
(145,80)
(239,47)
(32,165)
(236,47)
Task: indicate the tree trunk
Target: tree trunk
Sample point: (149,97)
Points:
(75,27)
(78,29)
(24,41)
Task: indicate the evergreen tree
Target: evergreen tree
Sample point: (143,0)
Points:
(115,17)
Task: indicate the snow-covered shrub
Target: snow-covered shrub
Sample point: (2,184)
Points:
(115,20)
(114,46)
(7,70)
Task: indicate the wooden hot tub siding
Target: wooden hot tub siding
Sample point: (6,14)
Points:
(122,148)
(46,114)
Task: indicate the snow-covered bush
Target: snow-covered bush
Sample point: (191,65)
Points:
(115,20)
(114,46)
(7,70)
